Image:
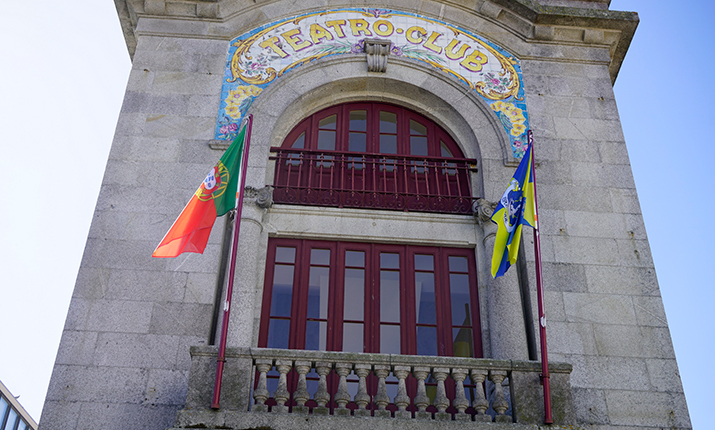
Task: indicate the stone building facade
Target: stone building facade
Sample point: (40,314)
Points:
(383,132)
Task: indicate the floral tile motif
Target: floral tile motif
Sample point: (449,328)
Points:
(255,59)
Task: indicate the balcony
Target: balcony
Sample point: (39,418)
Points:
(276,388)
(373,181)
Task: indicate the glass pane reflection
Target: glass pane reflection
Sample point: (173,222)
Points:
(389,339)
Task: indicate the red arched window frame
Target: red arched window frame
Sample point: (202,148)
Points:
(373,155)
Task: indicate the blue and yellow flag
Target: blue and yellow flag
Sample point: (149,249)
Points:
(516,208)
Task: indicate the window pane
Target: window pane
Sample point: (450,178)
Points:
(299,141)
(458,264)
(282,291)
(320,256)
(444,150)
(424,262)
(388,144)
(424,297)
(389,339)
(389,296)
(326,140)
(459,292)
(328,122)
(358,120)
(315,335)
(417,129)
(462,342)
(285,255)
(389,260)
(318,292)
(353,337)
(418,146)
(357,142)
(355,258)
(354,294)
(388,122)
(426,340)
(278,333)
(3,408)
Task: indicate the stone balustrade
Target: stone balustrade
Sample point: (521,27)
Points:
(271,382)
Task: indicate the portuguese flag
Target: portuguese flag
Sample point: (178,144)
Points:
(216,196)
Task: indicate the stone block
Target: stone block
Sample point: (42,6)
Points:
(643,408)
(551,222)
(150,286)
(120,254)
(76,347)
(635,227)
(554,173)
(664,375)
(585,250)
(168,82)
(129,350)
(92,283)
(528,401)
(97,384)
(650,311)
(619,340)
(634,281)
(200,288)
(120,316)
(165,61)
(603,175)
(634,253)
(77,314)
(571,338)
(588,129)
(130,124)
(590,406)
(657,342)
(118,416)
(60,415)
(202,105)
(579,151)
(181,319)
(600,309)
(136,148)
(611,373)
(625,200)
(167,126)
(564,277)
(172,26)
(579,197)
(596,224)
(166,387)
(554,304)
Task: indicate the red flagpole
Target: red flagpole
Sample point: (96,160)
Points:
(229,292)
(540,294)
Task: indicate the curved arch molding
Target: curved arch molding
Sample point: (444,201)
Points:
(259,57)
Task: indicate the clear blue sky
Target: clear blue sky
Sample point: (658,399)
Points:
(65,67)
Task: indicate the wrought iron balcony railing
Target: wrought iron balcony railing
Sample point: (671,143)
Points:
(373,181)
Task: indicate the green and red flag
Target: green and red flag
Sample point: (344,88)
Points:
(216,196)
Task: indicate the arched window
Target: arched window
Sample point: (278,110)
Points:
(372,155)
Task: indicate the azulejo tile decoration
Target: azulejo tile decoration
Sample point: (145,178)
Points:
(259,57)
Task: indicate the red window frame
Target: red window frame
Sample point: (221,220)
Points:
(334,320)
(310,126)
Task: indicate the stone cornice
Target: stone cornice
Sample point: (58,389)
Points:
(530,20)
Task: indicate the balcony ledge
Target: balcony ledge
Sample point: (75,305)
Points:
(511,384)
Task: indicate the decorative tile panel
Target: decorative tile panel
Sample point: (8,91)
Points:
(260,56)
